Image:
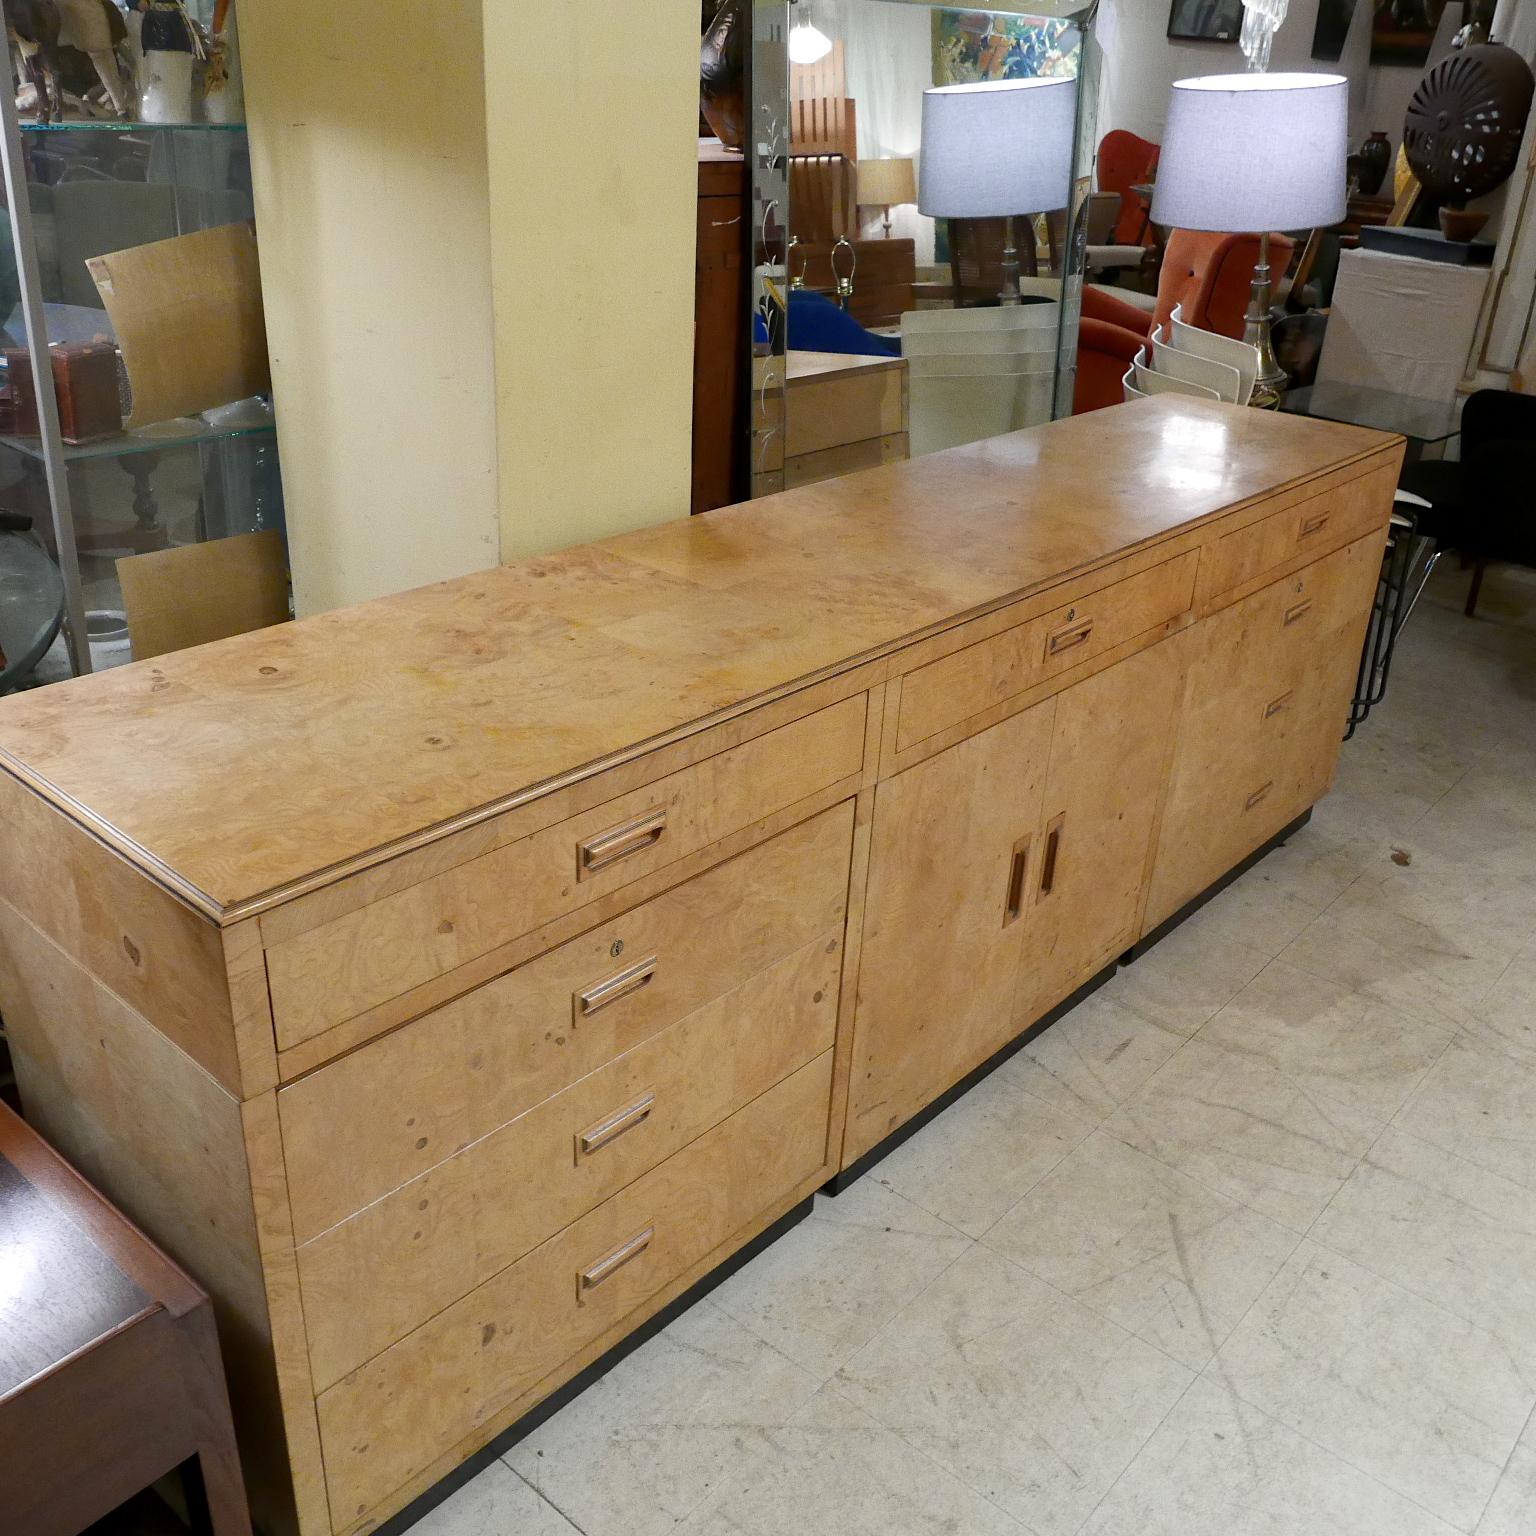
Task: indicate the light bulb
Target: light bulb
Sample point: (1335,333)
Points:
(807,43)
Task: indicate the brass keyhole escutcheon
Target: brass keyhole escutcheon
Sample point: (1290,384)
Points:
(617,949)
(1071,614)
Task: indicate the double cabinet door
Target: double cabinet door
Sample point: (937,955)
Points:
(1004,872)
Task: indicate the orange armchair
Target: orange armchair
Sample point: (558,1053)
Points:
(1104,352)
(1125,160)
(1211,275)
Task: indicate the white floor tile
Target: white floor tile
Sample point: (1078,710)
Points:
(1329,1040)
(1034,1400)
(497,1503)
(1089,1063)
(1170,1260)
(981,1155)
(1424,1402)
(1479,1103)
(1217,1467)
(643,1447)
(1237,1125)
(1444,1229)
(823,1290)
(834,1471)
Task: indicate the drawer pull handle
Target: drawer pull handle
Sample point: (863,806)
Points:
(610,1264)
(1069,638)
(1259,795)
(607,848)
(1300,611)
(1013,907)
(1314,524)
(632,979)
(609,1130)
(1274,706)
(1052,855)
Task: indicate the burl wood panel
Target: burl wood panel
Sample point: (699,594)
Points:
(421,1094)
(218,769)
(355,962)
(439,1383)
(951,863)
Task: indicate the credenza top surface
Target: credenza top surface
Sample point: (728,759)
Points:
(234,770)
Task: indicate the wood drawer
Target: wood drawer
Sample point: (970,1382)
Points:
(418,1096)
(432,1390)
(344,967)
(1266,706)
(956,687)
(1318,524)
(469,1218)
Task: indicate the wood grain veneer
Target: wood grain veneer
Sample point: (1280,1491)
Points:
(215,770)
(326,950)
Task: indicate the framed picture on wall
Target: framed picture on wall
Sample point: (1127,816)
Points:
(1205,21)
(1403,31)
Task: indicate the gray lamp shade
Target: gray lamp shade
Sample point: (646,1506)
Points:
(1247,153)
(999,148)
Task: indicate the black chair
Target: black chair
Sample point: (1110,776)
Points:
(1482,506)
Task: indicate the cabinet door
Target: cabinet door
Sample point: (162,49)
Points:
(951,869)
(1109,759)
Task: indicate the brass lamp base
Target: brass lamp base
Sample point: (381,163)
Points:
(1272,379)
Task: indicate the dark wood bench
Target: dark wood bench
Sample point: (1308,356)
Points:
(110,1376)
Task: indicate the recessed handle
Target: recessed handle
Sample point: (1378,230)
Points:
(615,1125)
(1259,795)
(1018,871)
(1274,706)
(1300,611)
(625,983)
(610,1264)
(1313,524)
(1068,637)
(1052,856)
(608,848)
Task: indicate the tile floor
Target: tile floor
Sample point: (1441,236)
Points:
(1245,1246)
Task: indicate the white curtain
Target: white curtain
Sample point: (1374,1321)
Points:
(889,49)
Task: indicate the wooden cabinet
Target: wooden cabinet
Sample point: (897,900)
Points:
(721,330)
(1109,753)
(449,1021)
(1262,714)
(955,847)
(1004,873)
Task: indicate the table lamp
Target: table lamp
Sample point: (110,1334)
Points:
(885,183)
(998,149)
(1248,154)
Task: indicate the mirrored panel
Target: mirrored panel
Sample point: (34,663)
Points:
(937,225)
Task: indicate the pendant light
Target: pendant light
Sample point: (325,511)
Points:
(808,44)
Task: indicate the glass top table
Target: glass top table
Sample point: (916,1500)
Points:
(31,607)
(1424,421)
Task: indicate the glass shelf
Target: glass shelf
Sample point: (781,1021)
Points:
(162,436)
(117,125)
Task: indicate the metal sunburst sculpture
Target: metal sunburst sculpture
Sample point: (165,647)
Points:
(1465,122)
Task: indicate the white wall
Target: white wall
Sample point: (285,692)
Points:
(1141,64)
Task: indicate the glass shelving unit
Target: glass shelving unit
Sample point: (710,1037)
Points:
(75,190)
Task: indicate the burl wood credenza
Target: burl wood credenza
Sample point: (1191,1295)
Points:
(455,982)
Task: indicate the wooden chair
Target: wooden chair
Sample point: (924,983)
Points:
(823,196)
(976,249)
(824,125)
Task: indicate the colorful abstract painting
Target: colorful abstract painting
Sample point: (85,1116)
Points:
(999,45)
(1403,31)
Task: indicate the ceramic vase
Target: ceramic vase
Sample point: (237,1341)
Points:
(1375,162)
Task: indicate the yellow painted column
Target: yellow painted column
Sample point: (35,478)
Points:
(592,133)
(372,203)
